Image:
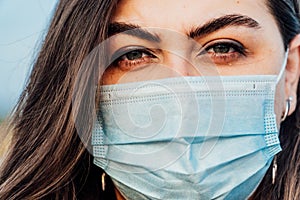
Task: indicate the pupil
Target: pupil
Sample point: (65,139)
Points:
(134,55)
(221,49)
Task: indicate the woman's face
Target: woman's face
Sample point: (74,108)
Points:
(193,38)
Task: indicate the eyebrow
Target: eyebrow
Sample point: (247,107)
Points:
(133,30)
(223,22)
(200,31)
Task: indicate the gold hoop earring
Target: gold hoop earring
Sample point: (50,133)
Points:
(274,170)
(103,183)
(287,108)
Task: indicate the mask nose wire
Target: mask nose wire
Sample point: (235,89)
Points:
(286,54)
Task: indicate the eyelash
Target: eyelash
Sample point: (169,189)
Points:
(235,51)
(125,63)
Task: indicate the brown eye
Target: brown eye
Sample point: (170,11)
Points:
(225,48)
(133,55)
(222,52)
(221,48)
(135,58)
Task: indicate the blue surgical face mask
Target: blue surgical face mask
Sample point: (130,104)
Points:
(187,137)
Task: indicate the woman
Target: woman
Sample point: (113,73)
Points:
(48,159)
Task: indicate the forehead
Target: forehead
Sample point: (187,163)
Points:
(181,15)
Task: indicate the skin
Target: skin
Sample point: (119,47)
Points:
(178,55)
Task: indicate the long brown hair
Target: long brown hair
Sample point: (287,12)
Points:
(287,184)
(49,161)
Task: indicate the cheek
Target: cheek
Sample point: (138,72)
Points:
(279,100)
(111,76)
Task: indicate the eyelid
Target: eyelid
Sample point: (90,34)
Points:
(233,43)
(127,49)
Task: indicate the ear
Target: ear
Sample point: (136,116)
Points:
(292,72)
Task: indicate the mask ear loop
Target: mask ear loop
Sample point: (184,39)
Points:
(274,168)
(286,54)
(290,99)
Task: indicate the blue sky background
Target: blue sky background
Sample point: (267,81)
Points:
(23,25)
